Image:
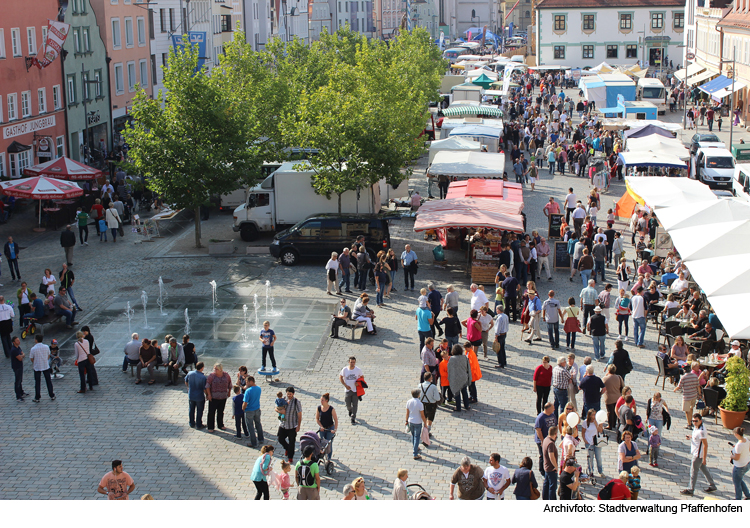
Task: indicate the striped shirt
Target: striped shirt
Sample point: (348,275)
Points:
(290,417)
(689,383)
(560,378)
(501,324)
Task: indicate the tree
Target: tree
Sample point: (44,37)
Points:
(194,145)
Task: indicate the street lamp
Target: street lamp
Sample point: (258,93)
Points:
(731,109)
(473,16)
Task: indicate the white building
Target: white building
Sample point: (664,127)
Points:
(357,13)
(580,33)
(167,22)
(257,22)
(321,17)
(292,21)
(465,14)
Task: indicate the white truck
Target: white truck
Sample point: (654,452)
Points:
(287,197)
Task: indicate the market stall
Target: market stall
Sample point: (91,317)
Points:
(456,143)
(467,164)
(488,136)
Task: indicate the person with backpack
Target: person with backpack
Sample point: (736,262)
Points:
(430,398)
(616,489)
(307,475)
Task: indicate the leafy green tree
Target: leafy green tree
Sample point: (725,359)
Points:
(193,145)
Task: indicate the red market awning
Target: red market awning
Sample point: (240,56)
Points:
(470,212)
(40,188)
(481,188)
(64,169)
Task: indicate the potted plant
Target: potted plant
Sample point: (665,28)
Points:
(734,406)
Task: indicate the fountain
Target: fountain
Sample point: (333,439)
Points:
(269,301)
(144,301)
(187,322)
(162,300)
(256,328)
(129,312)
(213,297)
(245,344)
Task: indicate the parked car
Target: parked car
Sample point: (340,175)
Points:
(705,141)
(317,236)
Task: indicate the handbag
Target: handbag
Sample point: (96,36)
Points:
(534,495)
(42,289)
(331,274)
(496,346)
(700,405)
(95,351)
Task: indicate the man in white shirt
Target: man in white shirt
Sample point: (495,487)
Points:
(496,478)
(639,317)
(478,298)
(698,455)
(579,215)
(348,377)
(680,284)
(415,419)
(570,204)
(132,353)
(6,325)
(430,397)
(39,356)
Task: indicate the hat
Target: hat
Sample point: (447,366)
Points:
(54,342)
(570,462)
(733,343)
(652,429)
(598,309)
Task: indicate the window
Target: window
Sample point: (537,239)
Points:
(589,22)
(143,66)
(3,174)
(76,40)
(559,52)
(116,43)
(612,51)
(31,38)
(56,99)
(631,51)
(588,51)
(85,86)
(626,21)
(164,60)
(85,40)
(98,85)
(679,20)
(128,32)
(71,89)
(559,22)
(171,19)
(19,162)
(657,20)
(60,146)
(12,107)
(226,23)
(131,77)
(163,20)
(25,104)
(141,31)
(15,40)
(153,69)
(41,94)
(151,23)
(2,43)
(119,80)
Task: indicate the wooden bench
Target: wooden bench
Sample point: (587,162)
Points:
(49,319)
(353,325)
(157,366)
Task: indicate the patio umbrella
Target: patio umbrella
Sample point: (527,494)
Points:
(64,169)
(499,84)
(460,110)
(40,188)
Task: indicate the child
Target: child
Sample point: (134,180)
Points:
(267,338)
(422,298)
(102,230)
(572,325)
(238,414)
(610,218)
(499,297)
(54,358)
(445,387)
(284,480)
(634,482)
(280,405)
(654,442)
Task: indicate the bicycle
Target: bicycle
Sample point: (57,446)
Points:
(30,327)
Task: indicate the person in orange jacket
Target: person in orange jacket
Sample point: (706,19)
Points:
(445,386)
(476,371)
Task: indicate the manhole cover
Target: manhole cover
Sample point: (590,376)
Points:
(165,281)
(200,273)
(129,288)
(182,286)
(148,392)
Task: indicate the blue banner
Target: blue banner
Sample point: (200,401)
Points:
(196,38)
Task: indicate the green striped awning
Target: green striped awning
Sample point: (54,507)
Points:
(464,110)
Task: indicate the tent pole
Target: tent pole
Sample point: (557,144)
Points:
(40,212)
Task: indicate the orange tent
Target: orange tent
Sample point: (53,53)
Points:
(625,206)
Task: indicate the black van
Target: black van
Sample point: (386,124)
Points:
(319,235)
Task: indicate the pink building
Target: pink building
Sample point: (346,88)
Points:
(32,108)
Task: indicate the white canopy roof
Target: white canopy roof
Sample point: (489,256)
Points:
(693,69)
(702,213)
(721,94)
(658,191)
(647,158)
(710,240)
(468,164)
(453,143)
(697,79)
(659,145)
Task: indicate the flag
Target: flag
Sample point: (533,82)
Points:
(506,78)
(56,35)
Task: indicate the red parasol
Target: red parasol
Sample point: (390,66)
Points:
(64,169)
(40,188)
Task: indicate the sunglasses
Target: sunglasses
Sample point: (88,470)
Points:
(696,421)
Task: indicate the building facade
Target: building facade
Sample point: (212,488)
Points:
(735,30)
(257,22)
(32,103)
(321,19)
(126,30)
(581,33)
(86,85)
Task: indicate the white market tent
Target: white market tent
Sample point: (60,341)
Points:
(651,159)
(658,191)
(485,133)
(701,213)
(710,240)
(468,164)
(659,145)
(693,69)
(453,143)
(734,278)
(634,124)
(482,71)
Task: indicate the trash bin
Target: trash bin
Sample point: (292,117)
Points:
(439,254)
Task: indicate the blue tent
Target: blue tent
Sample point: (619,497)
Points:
(713,86)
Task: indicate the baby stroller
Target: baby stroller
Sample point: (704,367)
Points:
(322,449)
(420,493)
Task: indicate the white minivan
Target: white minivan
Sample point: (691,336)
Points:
(714,167)
(653,91)
(741,181)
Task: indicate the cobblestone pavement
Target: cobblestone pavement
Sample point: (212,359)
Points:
(146,426)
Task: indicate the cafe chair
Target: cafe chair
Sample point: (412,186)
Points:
(662,373)
(711,398)
(670,281)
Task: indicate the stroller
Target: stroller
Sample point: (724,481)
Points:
(322,447)
(420,493)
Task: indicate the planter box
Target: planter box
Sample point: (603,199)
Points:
(221,247)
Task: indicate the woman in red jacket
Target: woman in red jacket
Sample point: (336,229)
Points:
(542,383)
